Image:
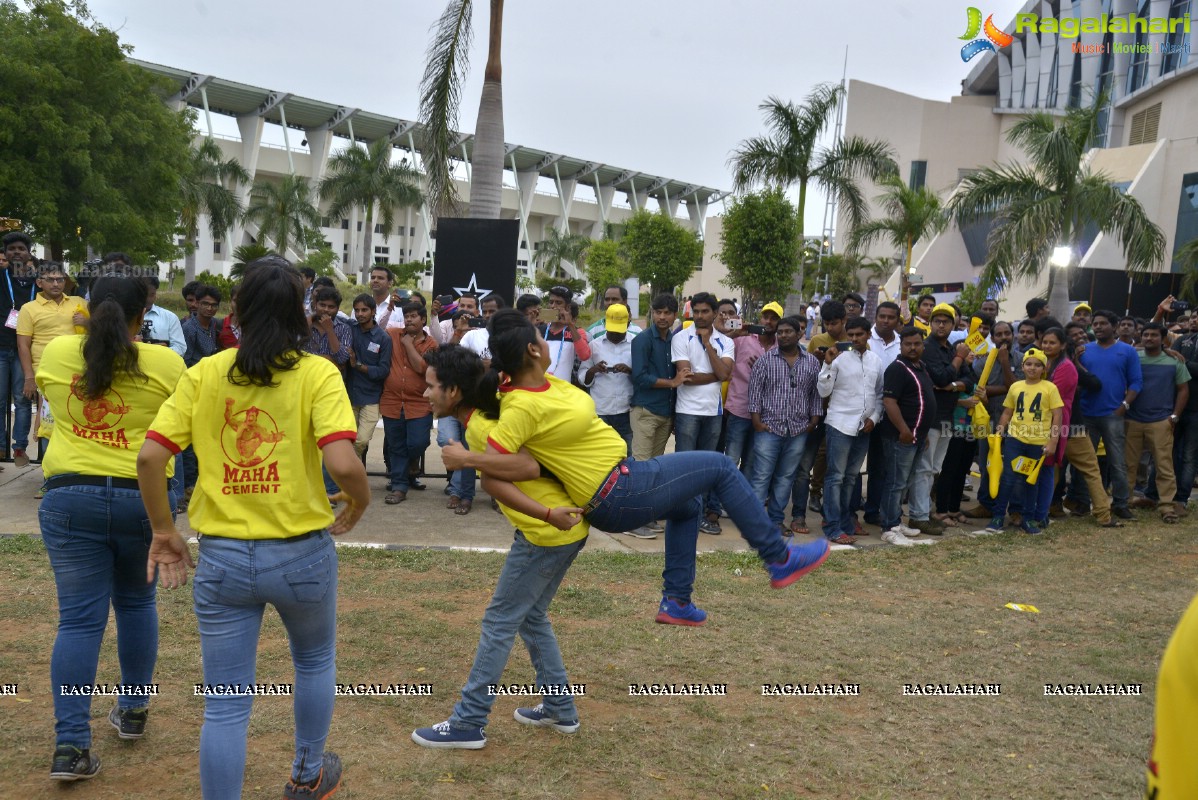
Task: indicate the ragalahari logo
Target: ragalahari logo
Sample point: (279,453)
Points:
(994,39)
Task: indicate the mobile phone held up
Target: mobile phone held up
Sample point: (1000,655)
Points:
(844,347)
(757,329)
(478,322)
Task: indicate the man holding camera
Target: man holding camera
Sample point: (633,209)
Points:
(608,373)
(161,326)
(565,339)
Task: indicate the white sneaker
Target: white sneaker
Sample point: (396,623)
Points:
(906,530)
(896,537)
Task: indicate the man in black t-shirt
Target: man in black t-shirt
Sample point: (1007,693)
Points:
(17,288)
(909,403)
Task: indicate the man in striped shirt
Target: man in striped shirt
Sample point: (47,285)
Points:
(909,403)
(785,405)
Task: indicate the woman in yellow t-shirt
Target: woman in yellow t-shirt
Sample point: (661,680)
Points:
(1031,423)
(260,419)
(104,389)
(539,558)
(557,424)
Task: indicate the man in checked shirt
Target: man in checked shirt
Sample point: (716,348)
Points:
(785,406)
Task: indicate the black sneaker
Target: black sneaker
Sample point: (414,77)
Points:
(326,783)
(1122,512)
(73,764)
(130,723)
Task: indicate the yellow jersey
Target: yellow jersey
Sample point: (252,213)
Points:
(258,446)
(556,422)
(1031,407)
(546,491)
(103,436)
(1172,767)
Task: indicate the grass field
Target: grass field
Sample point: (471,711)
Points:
(1108,602)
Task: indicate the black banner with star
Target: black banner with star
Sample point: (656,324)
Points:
(476,256)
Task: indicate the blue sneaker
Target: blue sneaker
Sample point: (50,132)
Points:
(996,525)
(537,716)
(443,736)
(1032,527)
(670,612)
(800,559)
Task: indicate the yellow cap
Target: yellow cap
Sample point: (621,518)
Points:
(1038,355)
(616,319)
(774,307)
(943,309)
(1082,307)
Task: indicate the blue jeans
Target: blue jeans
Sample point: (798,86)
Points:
(1185,450)
(1014,485)
(698,432)
(1111,430)
(801,490)
(461,484)
(234,580)
(738,441)
(669,487)
(526,587)
(774,466)
(12,384)
(98,539)
(405,440)
(845,455)
(900,463)
(621,424)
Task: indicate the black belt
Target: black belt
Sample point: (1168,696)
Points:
(297,538)
(60,481)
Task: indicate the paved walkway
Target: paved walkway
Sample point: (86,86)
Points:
(422,521)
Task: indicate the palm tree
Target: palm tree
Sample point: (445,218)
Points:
(440,93)
(558,248)
(1187,258)
(359,177)
(209,186)
(244,255)
(1049,202)
(283,210)
(790,156)
(911,214)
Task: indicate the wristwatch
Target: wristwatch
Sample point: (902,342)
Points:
(1173,418)
(1126,407)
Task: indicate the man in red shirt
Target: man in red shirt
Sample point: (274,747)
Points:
(407,418)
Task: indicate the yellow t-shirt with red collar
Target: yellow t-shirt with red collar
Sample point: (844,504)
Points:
(558,425)
(103,436)
(546,491)
(1172,766)
(258,447)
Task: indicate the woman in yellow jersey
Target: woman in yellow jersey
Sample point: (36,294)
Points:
(104,389)
(557,424)
(540,556)
(260,418)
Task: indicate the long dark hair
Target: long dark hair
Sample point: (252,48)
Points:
(510,335)
(460,368)
(1066,348)
(108,351)
(270,310)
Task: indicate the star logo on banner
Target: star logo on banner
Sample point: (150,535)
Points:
(472,288)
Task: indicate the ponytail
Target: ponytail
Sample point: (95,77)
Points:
(108,351)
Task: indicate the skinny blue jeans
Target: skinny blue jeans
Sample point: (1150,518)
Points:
(98,540)
(671,487)
(234,581)
(530,578)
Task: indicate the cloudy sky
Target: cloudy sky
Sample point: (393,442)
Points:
(665,87)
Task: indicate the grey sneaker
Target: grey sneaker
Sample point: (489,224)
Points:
(707,526)
(656,526)
(641,533)
(73,764)
(130,723)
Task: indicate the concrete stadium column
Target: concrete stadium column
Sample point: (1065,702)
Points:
(1048,49)
(1031,90)
(565,192)
(1065,56)
(1090,61)
(250,126)
(320,142)
(696,210)
(1004,79)
(1018,73)
(1157,8)
(527,181)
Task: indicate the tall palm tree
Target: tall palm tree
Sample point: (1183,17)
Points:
(366,178)
(209,186)
(911,214)
(1187,258)
(790,155)
(283,210)
(1048,202)
(440,93)
(562,248)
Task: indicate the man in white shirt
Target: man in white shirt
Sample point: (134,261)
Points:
(608,372)
(699,408)
(612,294)
(442,331)
(478,340)
(884,343)
(565,339)
(163,326)
(851,380)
